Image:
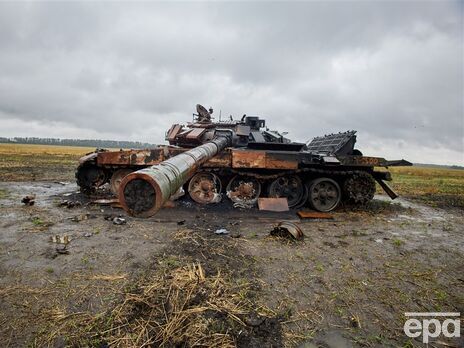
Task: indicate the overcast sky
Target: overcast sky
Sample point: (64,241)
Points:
(393,71)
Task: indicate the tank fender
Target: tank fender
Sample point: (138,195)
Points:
(88,158)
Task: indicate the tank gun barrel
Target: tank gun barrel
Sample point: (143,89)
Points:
(143,193)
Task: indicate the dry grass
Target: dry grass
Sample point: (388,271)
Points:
(31,149)
(434,186)
(24,162)
(175,303)
(182,307)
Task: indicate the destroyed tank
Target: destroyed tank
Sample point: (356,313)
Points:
(241,160)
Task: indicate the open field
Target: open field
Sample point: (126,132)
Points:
(438,187)
(24,162)
(170,281)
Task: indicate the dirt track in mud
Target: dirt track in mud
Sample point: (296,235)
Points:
(347,284)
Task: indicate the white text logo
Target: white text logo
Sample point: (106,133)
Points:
(432,325)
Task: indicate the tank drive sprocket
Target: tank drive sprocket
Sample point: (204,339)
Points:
(359,188)
(89,177)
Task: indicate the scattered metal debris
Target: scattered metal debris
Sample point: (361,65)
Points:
(242,205)
(88,234)
(304,214)
(119,221)
(105,201)
(62,243)
(62,249)
(28,200)
(287,229)
(221,231)
(70,204)
(179,193)
(116,219)
(273,204)
(81,217)
(181,222)
(64,239)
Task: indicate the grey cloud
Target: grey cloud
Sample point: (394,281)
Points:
(391,70)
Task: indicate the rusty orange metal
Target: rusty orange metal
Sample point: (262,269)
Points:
(261,159)
(195,133)
(248,159)
(363,161)
(273,204)
(305,214)
(173,131)
(280,163)
(288,229)
(221,160)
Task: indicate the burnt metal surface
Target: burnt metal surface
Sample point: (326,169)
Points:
(305,214)
(244,190)
(362,161)
(340,144)
(287,229)
(165,178)
(264,159)
(205,188)
(273,204)
(359,187)
(243,156)
(290,187)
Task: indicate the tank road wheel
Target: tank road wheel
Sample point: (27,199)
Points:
(205,188)
(324,194)
(89,177)
(359,188)
(244,190)
(290,187)
(117,177)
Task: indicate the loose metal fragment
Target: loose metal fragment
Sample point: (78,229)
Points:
(314,215)
(28,200)
(273,204)
(104,201)
(288,229)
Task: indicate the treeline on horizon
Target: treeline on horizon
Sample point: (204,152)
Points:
(78,142)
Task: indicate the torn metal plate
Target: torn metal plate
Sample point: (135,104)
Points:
(273,204)
(304,214)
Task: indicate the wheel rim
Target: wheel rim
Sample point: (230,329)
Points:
(205,188)
(289,187)
(324,194)
(244,189)
(116,179)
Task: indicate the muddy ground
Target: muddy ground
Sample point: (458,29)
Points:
(348,284)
